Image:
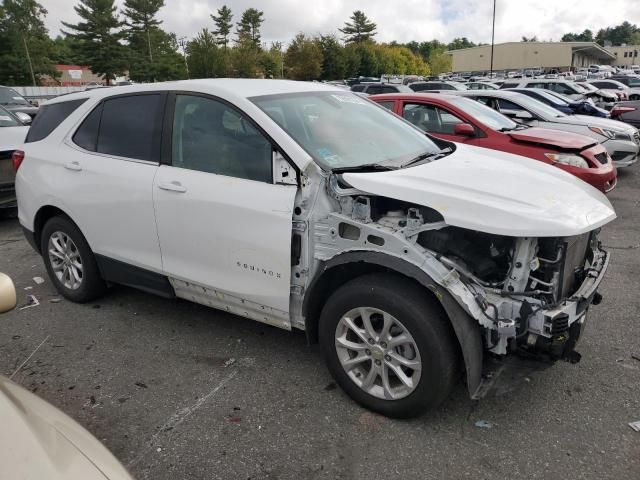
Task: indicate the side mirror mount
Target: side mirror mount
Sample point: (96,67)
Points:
(283,172)
(464,129)
(7,294)
(23,117)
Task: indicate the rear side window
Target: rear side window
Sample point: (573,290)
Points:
(374,90)
(389,90)
(511,85)
(357,88)
(49,117)
(130,127)
(87,135)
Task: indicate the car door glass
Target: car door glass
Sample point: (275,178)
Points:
(387,105)
(87,134)
(507,105)
(374,90)
(430,118)
(210,136)
(389,90)
(130,127)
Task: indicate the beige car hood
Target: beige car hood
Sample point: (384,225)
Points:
(39,442)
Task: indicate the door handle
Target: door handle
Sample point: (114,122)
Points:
(172,187)
(75,166)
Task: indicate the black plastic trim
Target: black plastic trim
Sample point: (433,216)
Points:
(115,271)
(31,238)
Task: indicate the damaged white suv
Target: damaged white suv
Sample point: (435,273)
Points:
(410,259)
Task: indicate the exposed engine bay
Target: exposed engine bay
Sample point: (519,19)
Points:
(530,295)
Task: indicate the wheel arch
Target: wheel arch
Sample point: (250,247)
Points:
(43,214)
(347,266)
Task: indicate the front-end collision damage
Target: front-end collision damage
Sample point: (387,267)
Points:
(503,294)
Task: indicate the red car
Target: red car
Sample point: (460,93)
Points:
(463,120)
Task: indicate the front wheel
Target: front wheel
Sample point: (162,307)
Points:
(389,345)
(70,262)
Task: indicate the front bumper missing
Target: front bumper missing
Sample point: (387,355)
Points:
(560,329)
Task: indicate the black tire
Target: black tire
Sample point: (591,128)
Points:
(421,315)
(92,285)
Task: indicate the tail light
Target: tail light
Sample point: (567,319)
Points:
(617,111)
(17,157)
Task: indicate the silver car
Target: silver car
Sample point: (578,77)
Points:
(621,140)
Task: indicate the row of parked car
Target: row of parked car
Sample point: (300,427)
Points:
(543,114)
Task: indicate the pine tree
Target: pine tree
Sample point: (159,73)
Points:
(224,24)
(249,27)
(359,29)
(141,19)
(99,37)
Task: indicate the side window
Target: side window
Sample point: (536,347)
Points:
(387,105)
(507,105)
(560,88)
(509,85)
(430,118)
(49,117)
(600,84)
(209,136)
(86,135)
(374,90)
(446,86)
(357,88)
(131,126)
(389,90)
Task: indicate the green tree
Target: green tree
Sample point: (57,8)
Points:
(352,60)
(25,46)
(334,60)
(623,33)
(359,29)
(224,24)
(249,27)
(458,43)
(244,59)
(140,18)
(303,60)
(369,65)
(586,36)
(64,51)
(271,61)
(204,56)
(440,62)
(99,35)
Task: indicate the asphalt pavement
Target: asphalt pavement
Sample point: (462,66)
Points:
(180,391)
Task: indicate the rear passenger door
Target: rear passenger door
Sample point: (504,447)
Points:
(224,225)
(108,173)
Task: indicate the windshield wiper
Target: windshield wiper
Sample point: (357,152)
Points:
(428,156)
(373,167)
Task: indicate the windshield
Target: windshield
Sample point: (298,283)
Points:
(484,114)
(578,88)
(344,130)
(535,106)
(556,98)
(9,96)
(7,120)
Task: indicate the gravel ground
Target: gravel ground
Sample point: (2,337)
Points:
(179,391)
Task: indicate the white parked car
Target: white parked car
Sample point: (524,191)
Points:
(564,87)
(307,207)
(12,133)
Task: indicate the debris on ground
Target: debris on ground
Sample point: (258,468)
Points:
(141,385)
(232,419)
(38,280)
(484,424)
(635,425)
(229,362)
(54,300)
(28,288)
(635,357)
(331,386)
(32,301)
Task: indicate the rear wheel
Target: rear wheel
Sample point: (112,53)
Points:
(389,345)
(70,262)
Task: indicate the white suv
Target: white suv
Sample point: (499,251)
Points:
(304,206)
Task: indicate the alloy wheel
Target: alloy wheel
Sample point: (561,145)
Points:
(65,259)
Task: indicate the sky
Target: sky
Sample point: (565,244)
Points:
(402,21)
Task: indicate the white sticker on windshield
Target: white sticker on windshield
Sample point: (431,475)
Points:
(4,118)
(349,99)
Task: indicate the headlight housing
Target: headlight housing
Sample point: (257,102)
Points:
(611,134)
(568,159)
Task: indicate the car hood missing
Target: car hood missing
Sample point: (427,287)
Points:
(495,192)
